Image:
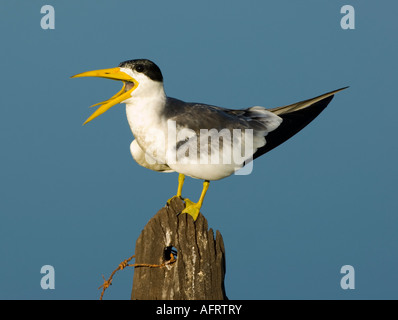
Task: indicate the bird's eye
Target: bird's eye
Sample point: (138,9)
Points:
(139,68)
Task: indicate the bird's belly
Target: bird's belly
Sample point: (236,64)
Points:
(152,140)
(146,160)
(204,171)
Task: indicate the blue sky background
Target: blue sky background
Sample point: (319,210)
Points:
(72,196)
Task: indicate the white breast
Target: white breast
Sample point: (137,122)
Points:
(144,115)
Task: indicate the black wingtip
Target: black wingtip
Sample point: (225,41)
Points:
(293,122)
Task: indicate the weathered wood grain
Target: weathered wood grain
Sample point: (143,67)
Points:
(198,273)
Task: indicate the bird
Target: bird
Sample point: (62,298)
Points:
(198,140)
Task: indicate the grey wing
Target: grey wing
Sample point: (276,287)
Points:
(255,121)
(198,116)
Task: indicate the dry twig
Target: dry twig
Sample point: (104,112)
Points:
(125,263)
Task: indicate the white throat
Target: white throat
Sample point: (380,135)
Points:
(144,109)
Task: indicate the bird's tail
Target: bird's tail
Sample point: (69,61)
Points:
(295,117)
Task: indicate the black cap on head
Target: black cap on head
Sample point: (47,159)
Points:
(145,66)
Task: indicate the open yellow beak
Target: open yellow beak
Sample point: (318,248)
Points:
(114,74)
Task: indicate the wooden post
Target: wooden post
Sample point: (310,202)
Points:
(197,274)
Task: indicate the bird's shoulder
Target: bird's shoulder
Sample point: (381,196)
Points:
(203,116)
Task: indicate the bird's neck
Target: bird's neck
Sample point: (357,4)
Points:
(145,112)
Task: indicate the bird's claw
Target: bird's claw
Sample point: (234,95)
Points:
(191,208)
(169,201)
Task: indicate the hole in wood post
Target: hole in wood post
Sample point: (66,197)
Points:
(168,251)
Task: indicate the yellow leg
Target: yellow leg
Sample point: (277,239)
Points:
(181,179)
(193,208)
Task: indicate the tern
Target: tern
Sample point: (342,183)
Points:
(173,136)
